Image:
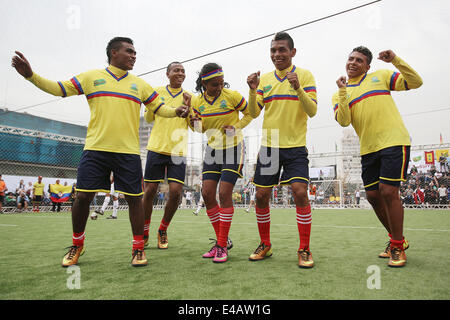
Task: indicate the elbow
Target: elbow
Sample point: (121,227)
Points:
(253,114)
(419,83)
(344,123)
(312,113)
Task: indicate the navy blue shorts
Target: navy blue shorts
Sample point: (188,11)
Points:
(223,164)
(95,168)
(159,164)
(293,161)
(387,166)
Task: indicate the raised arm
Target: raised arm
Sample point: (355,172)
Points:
(56,88)
(408,78)
(307,102)
(341,108)
(254,108)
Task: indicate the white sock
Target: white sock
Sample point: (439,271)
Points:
(115,206)
(105,203)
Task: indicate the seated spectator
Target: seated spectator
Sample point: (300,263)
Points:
(10,200)
(22,200)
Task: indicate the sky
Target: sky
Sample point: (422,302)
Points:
(62,38)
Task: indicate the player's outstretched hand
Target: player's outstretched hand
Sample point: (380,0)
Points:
(182,111)
(341,82)
(386,55)
(253,80)
(21,64)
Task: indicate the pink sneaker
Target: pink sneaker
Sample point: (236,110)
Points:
(221,255)
(211,253)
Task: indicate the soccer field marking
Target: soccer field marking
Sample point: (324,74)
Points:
(8,225)
(245,223)
(324,226)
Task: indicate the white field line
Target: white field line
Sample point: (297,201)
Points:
(246,223)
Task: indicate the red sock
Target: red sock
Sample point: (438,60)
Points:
(304,220)
(226,216)
(138,242)
(214,217)
(397,243)
(263,219)
(78,238)
(164,225)
(146,227)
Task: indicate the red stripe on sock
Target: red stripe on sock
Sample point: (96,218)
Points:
(146,227)
(138,242)
(78,238)
(164,225)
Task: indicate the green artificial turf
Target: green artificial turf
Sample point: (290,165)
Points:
(345,245)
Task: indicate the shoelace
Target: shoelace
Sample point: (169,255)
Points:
(305,254)
(395,253)
(138,253)
(163,235)
(260,248)
(220,252)
(72,251)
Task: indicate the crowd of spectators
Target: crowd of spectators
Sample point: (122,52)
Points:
(431,188)
(22,198)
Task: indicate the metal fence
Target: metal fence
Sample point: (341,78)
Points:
(26,153)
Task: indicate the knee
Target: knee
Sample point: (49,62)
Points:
(389,193)
(175,195)
(373,197)
(300,195)
(262,198)
(224,196)
(208,196)
(150,190)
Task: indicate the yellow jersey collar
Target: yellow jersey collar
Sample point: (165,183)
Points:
(281,74)
(116,73)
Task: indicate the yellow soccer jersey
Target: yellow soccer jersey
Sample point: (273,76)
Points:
(114,97)
(218,112)
(169,135)
(286,110)
(38,189)
(367,104)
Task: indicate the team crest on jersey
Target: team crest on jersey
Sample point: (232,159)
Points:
(201,108)
(223,104)
(267,88)
(375,79)
(99,82)
(134,87)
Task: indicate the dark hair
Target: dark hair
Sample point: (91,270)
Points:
(284,36)
(171,64)
(205,69)
(365,51)
(115,44)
